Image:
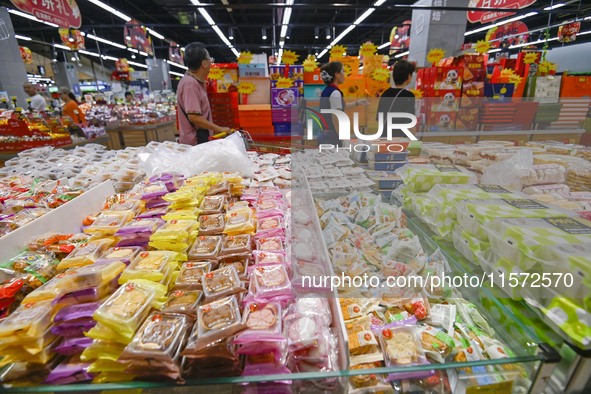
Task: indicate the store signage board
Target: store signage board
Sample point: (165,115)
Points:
(136,36)
(489,16)
(64,13)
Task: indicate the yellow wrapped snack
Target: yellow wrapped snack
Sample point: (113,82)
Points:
(176,230)
(104,350)
(182,214)
(240,221)
(100,332)
(153,266)
(108,222)
(112,377)
(85,254)
(102,365)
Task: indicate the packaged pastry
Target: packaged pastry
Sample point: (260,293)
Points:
(270,244)
(443,316)
(219,188)
(206,247)
(221,283)
(29,321)
(401,346)
(125,310)
(69,371)
(270,226)
(312,306)
(183,301)
(176,230)
(421,178)
(241,262)
(436,344)
(271,281)
(34,268)
(212,204)
(236,244)
(71,346)
(217,320)
(85,254)
(239,222)
(58,243)
(211,224)
(351,309)
(133,206)
(154,190)
(181,214)
(369,383)
(100,332)
(140,227)
(123,254)
(301,331)
(154,266)
(76,279)
(269,207)
(361,339)
(90,294)
(73,329)
(267,258)
(153,213)
(108,223)
(262,321)
(191,275)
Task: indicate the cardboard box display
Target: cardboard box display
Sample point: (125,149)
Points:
(446,100)
(448,78)
(442,121)
(284,98)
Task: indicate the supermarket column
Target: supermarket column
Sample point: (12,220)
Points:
(436,28)
(158,74)
(12,69)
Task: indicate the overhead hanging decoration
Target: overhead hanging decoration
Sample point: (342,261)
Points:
(245,57)
(337,52)
(568,33)
(530,58)
(215,73)
(482,46)
(489,16)
(136,36)
(380,75)
(174,53)
(400,36)
(289,58)
(72,38)
(284,83)
(435,55)
(122,71)
(246,88)
(310,64)
(367,49)
(26,55)
(512,33)
(62,13)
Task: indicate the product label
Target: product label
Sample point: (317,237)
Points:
(444,168)
(525,204)
(493,189)
(361,339)
(569,225)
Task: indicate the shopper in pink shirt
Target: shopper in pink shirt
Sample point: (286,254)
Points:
(194,112)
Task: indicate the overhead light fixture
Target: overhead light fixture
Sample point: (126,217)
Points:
(555,6)
(177,65)
(288,34)
(99,39)
(532,43)
(211,22)
(175,73)
(328,36)
(283,32)
(24,38)
(84,52)
(110,9)
(231,33)
(133,56)
(384,45)
(60,46)
(136,64)
(401,54)
(316,32)
(504,22)
(495,50)
(155,34)
(379,3)
(264,34)
(31,17)
(363,16)
(343,34)
(73,58)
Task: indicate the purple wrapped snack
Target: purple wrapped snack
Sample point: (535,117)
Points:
(145,227)
(88,295)
(70,371)
(123,254)
(76,312)
(154,190)
(153,213)
(75,328)
(71,346)
(158,202)
(139,242)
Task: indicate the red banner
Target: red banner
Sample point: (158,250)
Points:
(400,36)
(512,33)
(72,38)
(27,55)
(489,16)
(568,33)
(64,13)
(174,53)
(136,36)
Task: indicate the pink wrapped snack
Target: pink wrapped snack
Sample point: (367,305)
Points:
(271,281)
(270,226)
(267,258)
(271,244)
(263,323)
(301,332)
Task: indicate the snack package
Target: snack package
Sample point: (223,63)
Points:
(236,244)
(26,323)
(270,226)
(436,343)
(263,323)
(33,268)
(217,320)
(154,266)
(212,204)
(421,178)
(205,248)
(301,331)
(241,262)
(70,371)
(220,283)
(72,346)
(183,301)
(211,224)
(140,227)
(91,294)
(176,230)
(442,315)
(85,254)
(402,347)
(270,244)
(239,222)
(154,190)
(125,310)
(370,383)
(54,242)
(108,223)
(271,281)
(191,275)
(268,258)
(269,207)
(123,254)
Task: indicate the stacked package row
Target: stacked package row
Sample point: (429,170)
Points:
(511,233)
(401,326)
(270,169)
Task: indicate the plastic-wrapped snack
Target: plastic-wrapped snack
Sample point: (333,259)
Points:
(263,323)
(270,244)
(53,242)
(270,226)
(176,230)
(183,301)
(362,340)
(191,275)
(71,346)
(313,306)
(108,223)
(181,214)
(123,254)
(221,283)
(91,294)
(236,244)
(133,206)
(269,207)
(370,383)
(26,323)
(85,254)
(215,321)
(8,296)
(211,224)
(546,189)
(153,213)
(436,343)
(141,227)
(154,266)
(241,262)
(70,371)
(402,346)
(421,178)
(37,268)
(125,310)
(442,315)
(212,204)
(76,279)
(205,247)
(154,190)
(219,188)
(76,312)
(265,258)
(541,174)
(270,282)
(239,222)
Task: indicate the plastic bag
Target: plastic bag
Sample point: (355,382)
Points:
(509,173)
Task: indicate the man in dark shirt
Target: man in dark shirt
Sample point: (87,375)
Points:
(398,98)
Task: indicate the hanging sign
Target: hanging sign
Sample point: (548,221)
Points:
(337,52)
(72,38)
(513,33)
(435,55)
(174,53)
(245,57)
(26,55)
(289,57)
(482,46)
(489,16)
(64,13)
(380,75)
(400,36)
(136,36)
(367,49)
(216,73)
(310,64)
(568,33)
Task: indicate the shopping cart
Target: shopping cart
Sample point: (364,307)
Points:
(279,147)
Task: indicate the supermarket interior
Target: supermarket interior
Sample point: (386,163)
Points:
(288,196)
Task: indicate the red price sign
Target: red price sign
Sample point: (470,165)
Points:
(489,16)
(64,13)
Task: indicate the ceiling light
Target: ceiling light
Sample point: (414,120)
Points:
(99,39)
(155,34)
(379,3)
(82,51)
(517,18)
(211,22)
(73,58)
(137,64)
(177,65)
(532,43)
(384,45)
(175,73)
(316,31)
(133,56)
(231,34)
(25,38)
(324,51)
(31,17)
(328,36)
(553,7)
(111,10)
(60,46)
(343,34)
(363,16)
(283,32)
(495,50)
(288,34)
(264,36)
(401,54)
